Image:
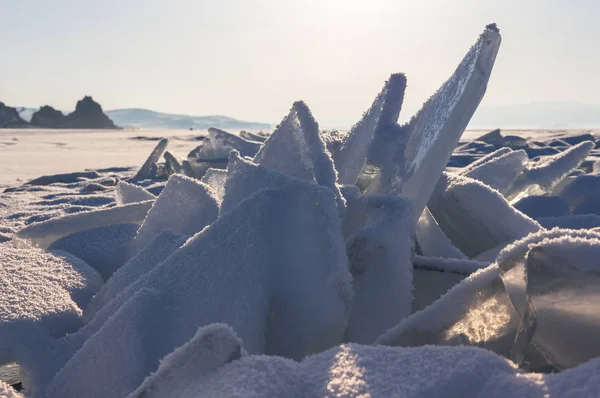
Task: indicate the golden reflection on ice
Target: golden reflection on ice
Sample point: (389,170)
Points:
(346,377)
(484,322)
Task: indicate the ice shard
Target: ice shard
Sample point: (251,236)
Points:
(476,312)
(382,114)
(245,178)
(215,179)
(143,262)
(484,159)
(213,346)
(548,172)
(150,163)
(432,241)
(185,206)
(434,276)
(126,193)
(463,212)
(219,143)
(44,233)
(296,148)
(173,163)
(380,261)
(285,290)
(552,279)
(499,172)
(105,248)
(432,134)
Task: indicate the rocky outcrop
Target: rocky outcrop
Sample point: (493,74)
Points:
(48,117)
(88,114)
(9,117)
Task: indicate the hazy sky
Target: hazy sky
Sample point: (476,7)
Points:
(252,58)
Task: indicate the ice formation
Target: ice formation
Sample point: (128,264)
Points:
(126,193)
(243,268)
(148,169)
(295,148)
(462,209)
(184,206)
(432,134)
(380,261)
(382,115)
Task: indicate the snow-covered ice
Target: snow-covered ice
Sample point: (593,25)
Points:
(305,262)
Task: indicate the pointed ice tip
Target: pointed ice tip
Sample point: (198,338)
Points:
(397,78)
(300,105)
(493,27)
(234,155)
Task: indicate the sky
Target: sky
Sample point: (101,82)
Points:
(251,59)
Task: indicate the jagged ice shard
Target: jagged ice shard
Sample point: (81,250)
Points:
(552,279)
(383,114)
(146,170)
(432,134)
(296,148)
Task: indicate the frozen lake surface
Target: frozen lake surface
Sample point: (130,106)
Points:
(28,154)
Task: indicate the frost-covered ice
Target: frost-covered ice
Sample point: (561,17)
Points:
(382,116)
(148,169)
(44,233)
(143,262)
(296,148)
(238,264)
(211,347)
(380,261)
(126,193)
(260,289)
(462,209)
(435,130)
(184,206)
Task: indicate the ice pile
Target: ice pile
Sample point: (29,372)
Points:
(314,263)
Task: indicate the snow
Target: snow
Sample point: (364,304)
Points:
(353,370)
(184,206)
(126,193)
(42,295)
(211,347)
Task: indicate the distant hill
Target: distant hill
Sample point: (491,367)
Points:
(147,119)
(537,115)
